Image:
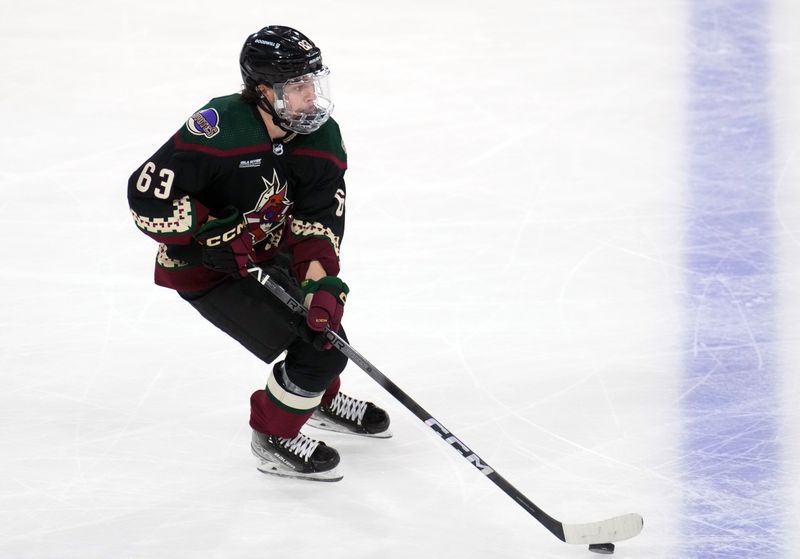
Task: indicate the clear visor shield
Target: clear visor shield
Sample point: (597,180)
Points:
(304,102)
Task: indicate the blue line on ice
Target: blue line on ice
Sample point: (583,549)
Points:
(730,401)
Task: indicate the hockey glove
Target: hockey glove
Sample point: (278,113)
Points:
(226,244)
(325,300)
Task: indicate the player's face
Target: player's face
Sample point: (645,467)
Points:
(303,103)
(300,96)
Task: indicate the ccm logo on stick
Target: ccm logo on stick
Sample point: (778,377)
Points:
(453,441)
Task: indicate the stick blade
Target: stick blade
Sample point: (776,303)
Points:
(606,531)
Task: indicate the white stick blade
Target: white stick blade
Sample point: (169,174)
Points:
(606,531)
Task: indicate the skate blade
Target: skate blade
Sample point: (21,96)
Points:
(277,469)
(327,425)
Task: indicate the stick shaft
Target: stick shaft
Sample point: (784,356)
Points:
(605,531)
(436,426)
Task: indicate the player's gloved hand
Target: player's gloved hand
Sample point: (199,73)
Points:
(226,244)
(325,300)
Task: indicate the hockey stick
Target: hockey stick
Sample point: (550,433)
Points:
(605,531)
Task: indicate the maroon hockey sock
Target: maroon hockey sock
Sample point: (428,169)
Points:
(269,418)
(331,391)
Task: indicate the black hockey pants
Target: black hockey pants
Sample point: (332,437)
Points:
(251,315)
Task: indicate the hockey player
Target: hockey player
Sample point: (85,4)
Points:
(258,177)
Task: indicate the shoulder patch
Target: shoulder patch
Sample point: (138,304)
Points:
(204,123)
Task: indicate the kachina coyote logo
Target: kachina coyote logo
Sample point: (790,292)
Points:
(270,211)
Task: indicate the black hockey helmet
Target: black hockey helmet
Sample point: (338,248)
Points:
(275,54)
(291,65)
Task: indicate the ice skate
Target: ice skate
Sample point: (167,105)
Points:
(301,457)
(346,414)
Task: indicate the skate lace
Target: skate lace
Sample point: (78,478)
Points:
(301,445)
(349,408)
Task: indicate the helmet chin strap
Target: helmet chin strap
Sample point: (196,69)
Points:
(267,106)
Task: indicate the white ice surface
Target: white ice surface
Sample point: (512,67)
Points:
(513,247)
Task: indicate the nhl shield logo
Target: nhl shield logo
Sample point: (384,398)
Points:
(204,123)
